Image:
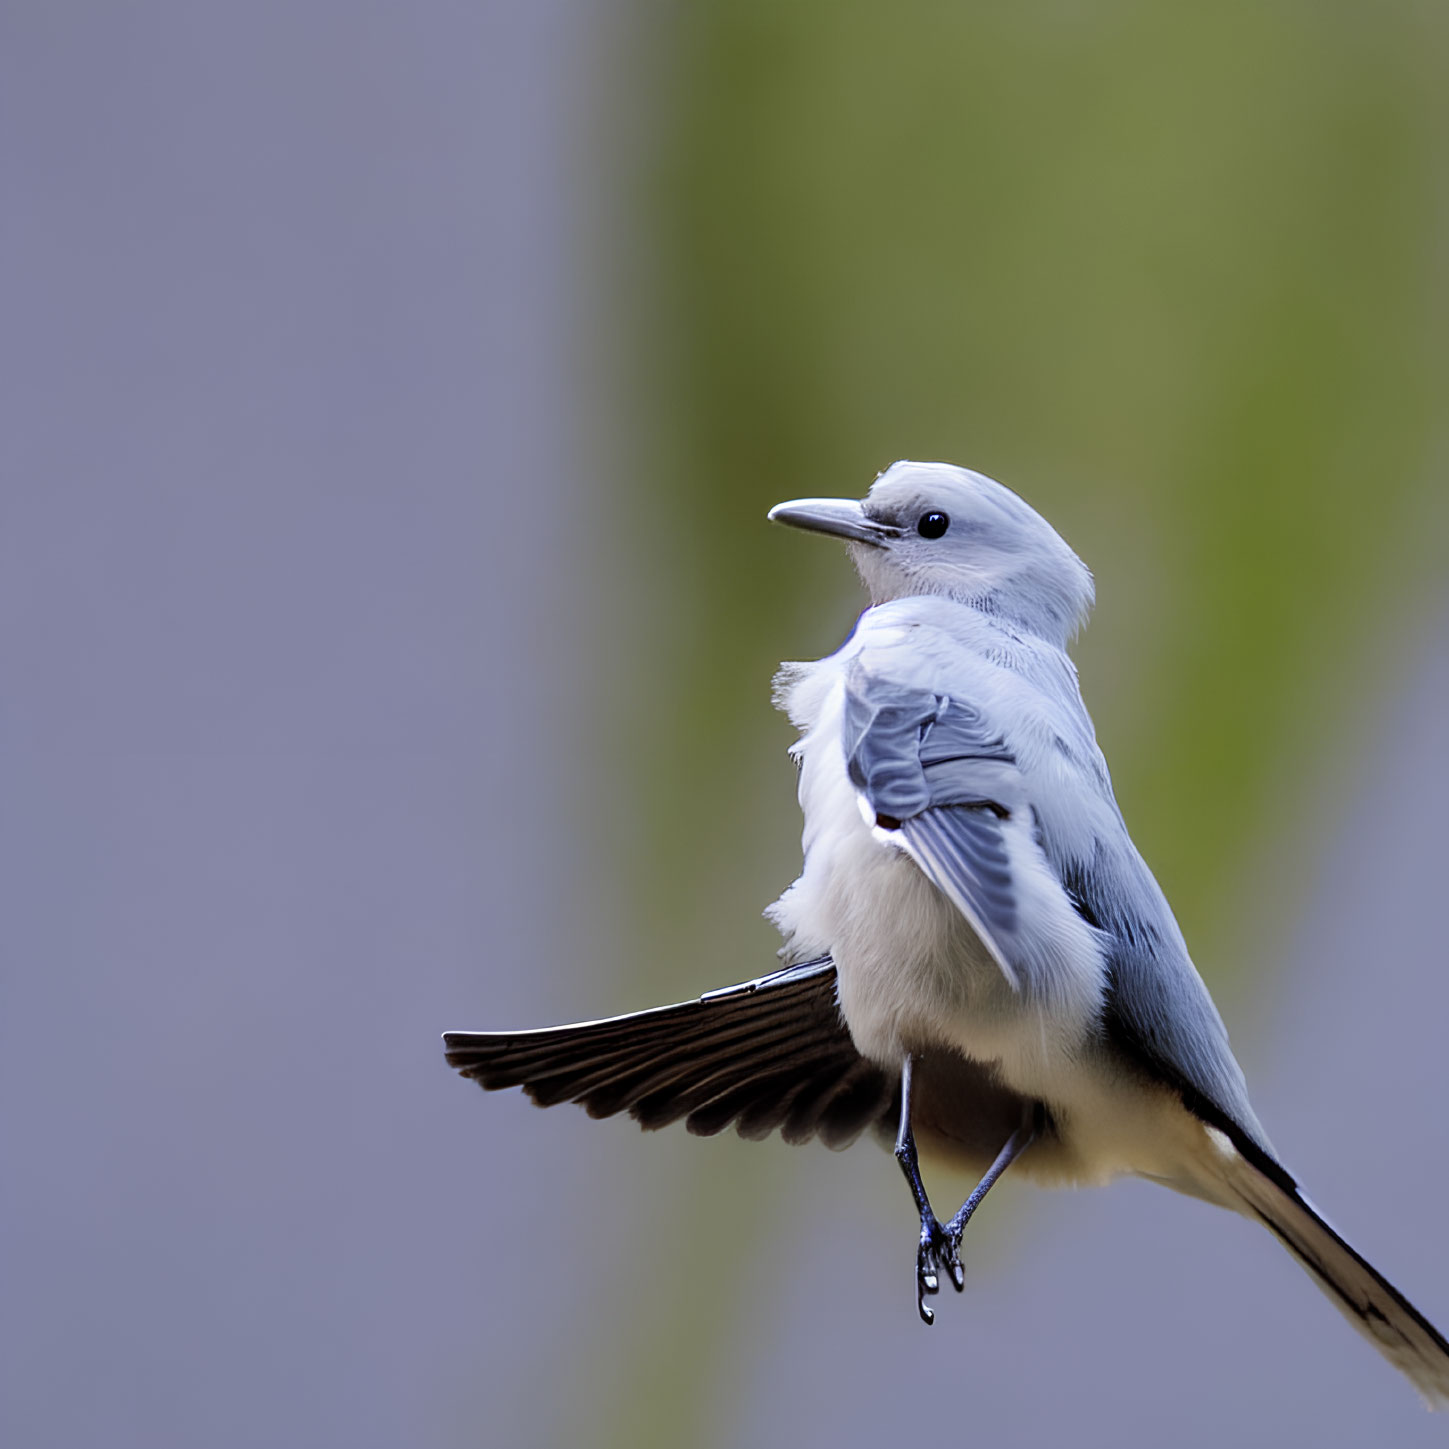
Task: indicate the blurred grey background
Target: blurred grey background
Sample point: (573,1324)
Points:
(392,397)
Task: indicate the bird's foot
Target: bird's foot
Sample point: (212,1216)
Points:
(938,1254)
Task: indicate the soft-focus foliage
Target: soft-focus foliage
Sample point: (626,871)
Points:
(1175,274)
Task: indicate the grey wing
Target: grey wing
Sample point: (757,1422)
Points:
(769,1054)
(941,778)
(945,780)
(1157,1011)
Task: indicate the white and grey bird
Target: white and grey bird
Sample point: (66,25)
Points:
(981,960)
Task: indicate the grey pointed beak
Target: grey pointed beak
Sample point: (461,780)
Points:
(842,517)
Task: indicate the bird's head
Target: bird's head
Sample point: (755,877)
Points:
(932,528)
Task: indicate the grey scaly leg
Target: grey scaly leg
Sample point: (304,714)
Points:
(940,1247)
(934,1241)
(1016,1144)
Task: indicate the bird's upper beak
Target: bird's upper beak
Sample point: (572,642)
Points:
(843,517)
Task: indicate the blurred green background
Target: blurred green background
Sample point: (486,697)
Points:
(1177,275)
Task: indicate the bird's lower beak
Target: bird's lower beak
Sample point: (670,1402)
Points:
(843,517)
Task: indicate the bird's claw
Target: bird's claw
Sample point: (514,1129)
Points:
(957,1272)
(937,1254)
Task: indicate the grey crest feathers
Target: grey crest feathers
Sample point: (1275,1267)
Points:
(999,555)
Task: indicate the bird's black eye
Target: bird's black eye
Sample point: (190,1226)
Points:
(932,525)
